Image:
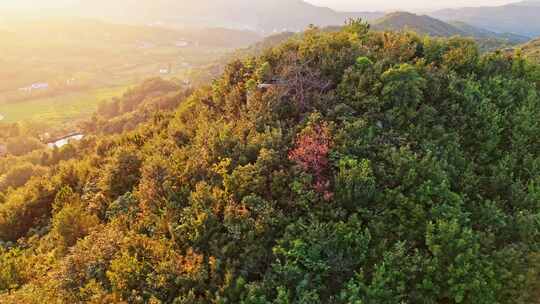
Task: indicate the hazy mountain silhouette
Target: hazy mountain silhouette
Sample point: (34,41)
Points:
(261,15)
(520,18)
(427,25)
(418,23)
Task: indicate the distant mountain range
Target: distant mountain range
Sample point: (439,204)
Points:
(513,22)
(260,15)
(427,25)
(521,18)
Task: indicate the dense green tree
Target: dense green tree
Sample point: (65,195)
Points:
(123,172)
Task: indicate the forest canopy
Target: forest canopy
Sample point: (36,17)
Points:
(337,167)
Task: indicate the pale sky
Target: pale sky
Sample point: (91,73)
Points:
(418,5)
(341,5)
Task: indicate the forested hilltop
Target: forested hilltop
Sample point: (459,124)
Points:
(338,167)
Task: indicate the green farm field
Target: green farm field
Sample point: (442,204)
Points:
(58,109)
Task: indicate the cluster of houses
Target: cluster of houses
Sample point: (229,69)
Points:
(38,86)
(42,86)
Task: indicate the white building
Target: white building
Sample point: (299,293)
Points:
(35,86)
(59,143)
(40,86)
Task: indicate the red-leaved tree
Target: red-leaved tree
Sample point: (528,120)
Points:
(311,153)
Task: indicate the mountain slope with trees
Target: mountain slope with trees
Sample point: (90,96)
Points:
(421,24)
(532,50)
(481,33)
(426,25)
(338,167)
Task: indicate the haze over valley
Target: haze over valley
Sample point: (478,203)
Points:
(67,47)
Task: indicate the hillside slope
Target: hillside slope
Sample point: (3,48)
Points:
(532,50)
(520,18)
(421,24)
(477,32)
(339,167)
(427,25)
